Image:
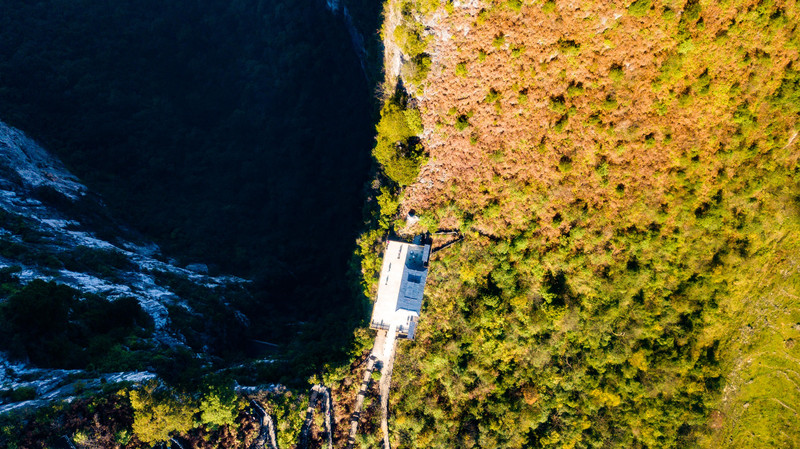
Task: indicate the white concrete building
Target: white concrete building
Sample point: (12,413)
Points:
(400,288)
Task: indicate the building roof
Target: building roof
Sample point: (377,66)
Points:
(401,286)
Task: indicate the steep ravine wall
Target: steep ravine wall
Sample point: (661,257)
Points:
(36,236)
(338,8)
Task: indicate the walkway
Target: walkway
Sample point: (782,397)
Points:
(316,392)
(381,358)
(386,381)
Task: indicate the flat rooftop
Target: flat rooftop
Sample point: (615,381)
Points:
(401,287)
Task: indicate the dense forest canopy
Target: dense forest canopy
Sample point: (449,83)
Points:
(626,178)
(233,133)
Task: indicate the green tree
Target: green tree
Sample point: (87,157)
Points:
(158,413)
(396,124)
(219,407)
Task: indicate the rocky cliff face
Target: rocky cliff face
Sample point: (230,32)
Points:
(46,217)
(356,38)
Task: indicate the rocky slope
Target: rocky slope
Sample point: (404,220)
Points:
(49,231)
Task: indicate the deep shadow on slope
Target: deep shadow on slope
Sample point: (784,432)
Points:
(232,133)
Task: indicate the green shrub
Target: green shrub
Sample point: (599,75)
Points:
(492,96)
(690,15)
(499,41)
(788,94)
(560,123)
(429,221)
(743,117)
(414,121)
(640,8)
(384,151)
(368,250)
(515,5)
(569,46)
(616,73)
(671,68)
(409,37)
(219,407)
(427,6)
(48,323)
(122,437)
(610,104)
(416,70)
(482,16)
(557,105)
(81,437)
(98,260)
(686,47)
(575,90)
(462,122)
(403,170)
(19,394)
(388,203)
(394,124)
(461,69)
(399,157)
(692,11)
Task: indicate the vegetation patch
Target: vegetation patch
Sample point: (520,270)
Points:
(640,8)
(56,326)
(397,148)
(626,277)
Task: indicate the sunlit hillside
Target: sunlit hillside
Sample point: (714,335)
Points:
(626,176)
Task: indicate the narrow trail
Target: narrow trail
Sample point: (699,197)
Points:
(362,392)
(312,404)
(69,442)
(267,437)
(382,359)
(323,394)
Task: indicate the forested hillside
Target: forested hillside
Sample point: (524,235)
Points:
(626,177)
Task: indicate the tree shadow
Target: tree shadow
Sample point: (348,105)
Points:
(236,135)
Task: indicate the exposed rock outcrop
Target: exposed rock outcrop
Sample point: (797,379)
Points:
(44,218)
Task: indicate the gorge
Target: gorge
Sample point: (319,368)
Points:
(615,183)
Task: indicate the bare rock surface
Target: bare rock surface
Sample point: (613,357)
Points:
(37,197)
